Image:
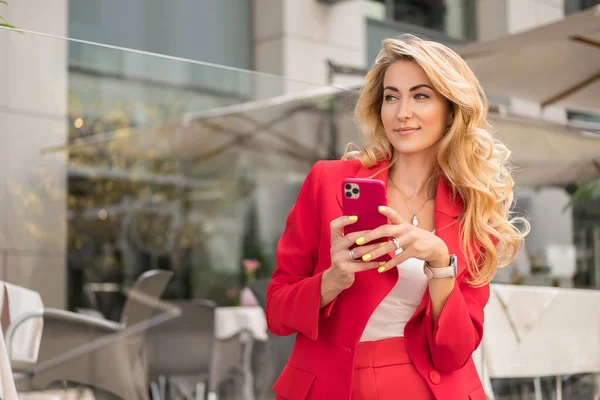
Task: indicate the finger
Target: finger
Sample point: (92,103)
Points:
(338,224)
(360,251)
(384,231)
(345,242)
(363,266)
(379,250)
(404,239)
(399,259)
(391,214)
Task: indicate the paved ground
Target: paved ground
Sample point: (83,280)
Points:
(576,388)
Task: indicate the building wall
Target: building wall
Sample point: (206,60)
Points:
(296,38)
(33,99)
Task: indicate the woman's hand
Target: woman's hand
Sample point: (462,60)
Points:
(415,242)
(340,276)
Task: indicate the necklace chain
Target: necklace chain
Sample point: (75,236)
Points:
(415,219)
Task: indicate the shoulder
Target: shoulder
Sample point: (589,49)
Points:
(332,169)
(326,174)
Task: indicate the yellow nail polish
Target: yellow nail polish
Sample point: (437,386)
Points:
(382,244)
(381,269)
(381,209)
(360,240)
(353,218)
(366,257)
(381,262)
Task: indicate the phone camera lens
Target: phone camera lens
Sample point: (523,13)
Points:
(348,187)
(355,191)
(348,194)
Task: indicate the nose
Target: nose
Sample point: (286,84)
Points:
(405,111)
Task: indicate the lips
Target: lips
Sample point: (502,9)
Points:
(405,131)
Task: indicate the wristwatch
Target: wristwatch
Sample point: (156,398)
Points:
(443,272)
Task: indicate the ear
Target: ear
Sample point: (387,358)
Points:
(450,118)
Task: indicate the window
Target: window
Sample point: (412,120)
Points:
(572,6)
(455,18)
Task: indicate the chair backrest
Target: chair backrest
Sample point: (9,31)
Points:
(183,345)
(142,299)
(80,349)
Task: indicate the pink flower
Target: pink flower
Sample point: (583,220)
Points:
(250,265)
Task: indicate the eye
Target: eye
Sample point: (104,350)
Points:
(421,96)
(389,97)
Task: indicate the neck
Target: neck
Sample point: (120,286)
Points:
(413,172)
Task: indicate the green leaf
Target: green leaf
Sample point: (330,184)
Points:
(7,25)
(3,2)
(585,193)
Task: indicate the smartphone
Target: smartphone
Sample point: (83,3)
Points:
(362,197)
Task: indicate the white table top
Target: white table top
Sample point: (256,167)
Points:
(232,320)
(541,331)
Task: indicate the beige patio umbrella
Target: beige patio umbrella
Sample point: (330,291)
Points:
(290,132)
(555,64)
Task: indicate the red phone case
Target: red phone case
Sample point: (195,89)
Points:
(364,204)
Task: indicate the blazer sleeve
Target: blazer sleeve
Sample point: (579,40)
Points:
(459,328)
(294,293)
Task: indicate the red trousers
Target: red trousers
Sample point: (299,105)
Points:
(384,371)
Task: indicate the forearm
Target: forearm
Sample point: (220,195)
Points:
(439,291)
(328,291)
(440,288)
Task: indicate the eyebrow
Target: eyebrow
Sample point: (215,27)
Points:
(412,89)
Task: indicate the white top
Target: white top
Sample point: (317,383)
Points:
(392,314)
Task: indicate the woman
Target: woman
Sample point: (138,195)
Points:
(405,329)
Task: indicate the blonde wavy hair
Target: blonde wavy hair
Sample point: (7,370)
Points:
(475,164)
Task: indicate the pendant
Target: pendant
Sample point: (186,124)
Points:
(415,220)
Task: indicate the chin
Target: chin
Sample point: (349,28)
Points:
(412,146)
(406,148)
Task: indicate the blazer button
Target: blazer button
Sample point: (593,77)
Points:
(434,377)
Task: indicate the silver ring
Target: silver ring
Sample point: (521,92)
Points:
(396,243)
(352,255)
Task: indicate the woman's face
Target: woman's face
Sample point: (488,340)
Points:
(415,116)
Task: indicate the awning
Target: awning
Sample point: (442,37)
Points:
(289,133)
(555,64)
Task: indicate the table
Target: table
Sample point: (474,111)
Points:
(533,331)
(251,325)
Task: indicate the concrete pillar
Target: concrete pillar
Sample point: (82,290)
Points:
(33,186)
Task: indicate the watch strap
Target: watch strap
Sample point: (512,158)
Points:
(443,272)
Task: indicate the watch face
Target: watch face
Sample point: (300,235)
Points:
(453,263)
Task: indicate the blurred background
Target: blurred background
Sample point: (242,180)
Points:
(143,137)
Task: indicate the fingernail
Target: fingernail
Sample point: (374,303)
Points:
(360,240)
(381,209)
(381,262)
(382,244)
(366,257)
(381,269)
(353,218)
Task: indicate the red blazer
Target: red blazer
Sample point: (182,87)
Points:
(322,362)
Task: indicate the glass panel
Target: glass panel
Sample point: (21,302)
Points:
(454,18)
(572,6)
(128,161)
(377,30)
(149,25)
